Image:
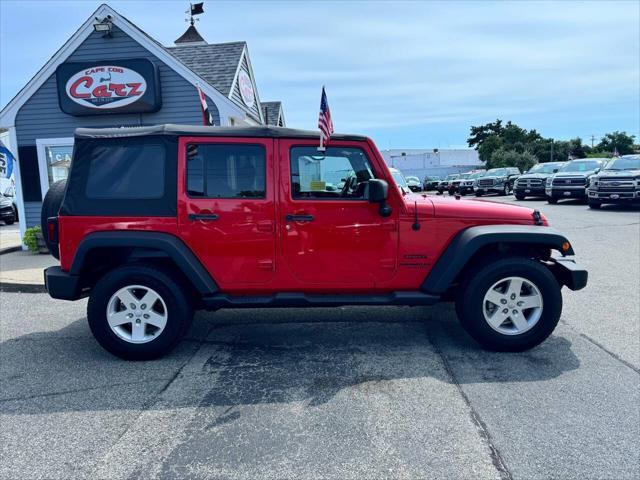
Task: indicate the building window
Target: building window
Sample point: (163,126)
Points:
(58,162)
(54,160)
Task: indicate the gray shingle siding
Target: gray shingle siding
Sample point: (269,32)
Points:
(41,117)
(271,113)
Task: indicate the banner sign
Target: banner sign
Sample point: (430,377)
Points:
(246,88)
(113,86)
(6,161)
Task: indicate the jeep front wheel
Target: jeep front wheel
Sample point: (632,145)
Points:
(510,305)
(138,312)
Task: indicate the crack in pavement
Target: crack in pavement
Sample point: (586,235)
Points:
(79,390)
(601,347)
(483,430)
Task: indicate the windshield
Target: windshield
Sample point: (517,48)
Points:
(463,176)
(477,175)
(452,176)
(398,177)
(581,166)
(545,167)
(624,163)
(497,171)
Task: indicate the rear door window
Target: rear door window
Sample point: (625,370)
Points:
(226,171)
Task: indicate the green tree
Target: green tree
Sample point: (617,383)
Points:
(616,140)
(479,134)
(511,158)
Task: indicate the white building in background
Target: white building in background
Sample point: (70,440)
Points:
(432,162)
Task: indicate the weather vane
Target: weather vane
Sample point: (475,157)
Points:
(194,9)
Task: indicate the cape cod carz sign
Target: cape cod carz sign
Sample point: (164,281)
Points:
(98,88)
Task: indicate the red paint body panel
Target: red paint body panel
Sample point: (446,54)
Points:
(348,247)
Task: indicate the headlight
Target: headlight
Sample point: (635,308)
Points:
(5,202)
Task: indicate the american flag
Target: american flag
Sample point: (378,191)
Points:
(207,118)
(324,120)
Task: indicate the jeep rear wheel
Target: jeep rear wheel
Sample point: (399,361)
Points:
(138,312)
(509,305)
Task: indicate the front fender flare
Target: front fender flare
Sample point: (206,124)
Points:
(468,242)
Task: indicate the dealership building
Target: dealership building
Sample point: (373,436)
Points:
(432,162)
(112,74)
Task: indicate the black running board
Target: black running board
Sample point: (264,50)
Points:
(302,300)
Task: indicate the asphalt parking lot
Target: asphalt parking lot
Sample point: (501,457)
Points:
(338,393)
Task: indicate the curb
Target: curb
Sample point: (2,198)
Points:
(17,248)
(22,287)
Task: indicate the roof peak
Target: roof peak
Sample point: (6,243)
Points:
(191,37)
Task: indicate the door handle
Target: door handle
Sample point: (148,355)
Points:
(203,216)
(298,218)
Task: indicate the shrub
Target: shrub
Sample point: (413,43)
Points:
(30,238)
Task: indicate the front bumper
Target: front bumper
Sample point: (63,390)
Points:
(614,197)
(566,192)
(464,189)
(569,273)
(7,212)
(63,285)
(530,191)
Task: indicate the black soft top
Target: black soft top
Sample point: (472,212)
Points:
(202,131)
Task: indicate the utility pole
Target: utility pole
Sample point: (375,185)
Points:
(552,141)
(593,139)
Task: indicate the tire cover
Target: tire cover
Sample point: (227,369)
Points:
(50,208)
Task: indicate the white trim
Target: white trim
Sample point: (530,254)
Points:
(13,145)
(226,107)
(41,143)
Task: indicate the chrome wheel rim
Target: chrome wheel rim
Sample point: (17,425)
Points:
(512,306)
(137,314)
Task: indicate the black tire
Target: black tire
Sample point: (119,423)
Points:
(179,311)
(10,221)
(505,190)
(552,200)
(519,197)
(50,208)
(594,205)
(470,297)
(478,194)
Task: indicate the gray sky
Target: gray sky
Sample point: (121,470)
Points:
(409,74)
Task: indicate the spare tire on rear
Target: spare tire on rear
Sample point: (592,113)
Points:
(50,208)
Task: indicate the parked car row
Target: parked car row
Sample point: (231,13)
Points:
(595,180)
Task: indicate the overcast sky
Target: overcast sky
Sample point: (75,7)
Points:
(414,74)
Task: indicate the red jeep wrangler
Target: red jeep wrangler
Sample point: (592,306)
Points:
(154,222)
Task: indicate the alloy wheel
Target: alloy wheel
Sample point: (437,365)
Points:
(512,306)
(137,314)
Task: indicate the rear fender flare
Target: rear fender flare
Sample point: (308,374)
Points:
(164,243)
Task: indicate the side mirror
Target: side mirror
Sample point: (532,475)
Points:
(555,170)
(377,192)
(597,170)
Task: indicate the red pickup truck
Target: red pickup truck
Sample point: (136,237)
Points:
(154,222)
